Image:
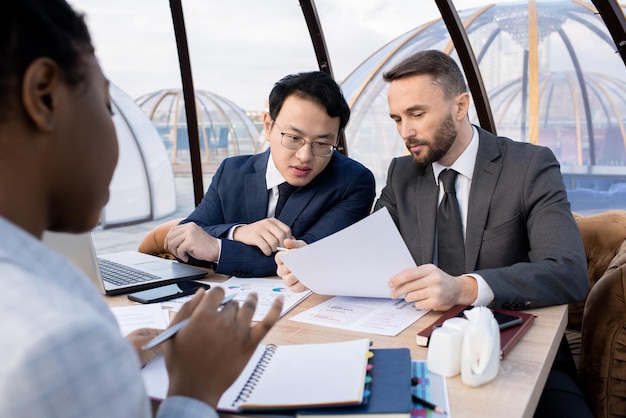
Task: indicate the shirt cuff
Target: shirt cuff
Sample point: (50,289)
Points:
(485,294)
(219,250)
(231,232)
(182,406)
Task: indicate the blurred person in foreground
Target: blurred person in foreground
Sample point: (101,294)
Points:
(62,351)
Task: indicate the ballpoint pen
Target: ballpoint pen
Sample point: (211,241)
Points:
(416,399)
(170,332)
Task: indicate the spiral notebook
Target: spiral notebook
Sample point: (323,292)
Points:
(287,377)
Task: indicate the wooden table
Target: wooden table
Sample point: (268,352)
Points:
(514,393)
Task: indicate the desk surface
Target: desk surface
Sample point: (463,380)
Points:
(514,393)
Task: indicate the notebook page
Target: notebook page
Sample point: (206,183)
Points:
(156,380)
(312,374)
(301,375)
(228,400)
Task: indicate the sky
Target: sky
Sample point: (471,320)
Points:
(240,48)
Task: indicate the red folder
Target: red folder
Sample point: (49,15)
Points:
(510,336)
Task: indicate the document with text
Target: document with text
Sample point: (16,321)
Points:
(133,317)
(356,261)
(371,315)
(267,289)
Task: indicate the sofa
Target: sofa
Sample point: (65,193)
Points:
(153,242)
(601,319)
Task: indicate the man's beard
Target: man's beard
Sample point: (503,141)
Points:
(439,146)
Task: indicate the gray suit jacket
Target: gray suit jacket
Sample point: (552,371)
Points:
(521,236)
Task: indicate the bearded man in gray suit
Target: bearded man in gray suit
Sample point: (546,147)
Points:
(520,246)
(522,249)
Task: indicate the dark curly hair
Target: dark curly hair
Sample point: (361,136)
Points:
(31,29)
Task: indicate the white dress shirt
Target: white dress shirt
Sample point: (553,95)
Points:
(273,179)
(464,165)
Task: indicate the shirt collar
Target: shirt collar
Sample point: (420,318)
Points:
(272,176)
(463,165)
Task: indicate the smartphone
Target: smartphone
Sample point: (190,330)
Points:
(170,291)
(504,320)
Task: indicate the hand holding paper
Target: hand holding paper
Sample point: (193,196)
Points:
(283,271)
(356,261)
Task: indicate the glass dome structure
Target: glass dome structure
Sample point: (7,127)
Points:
(224,128)
(142,188)
(552,78)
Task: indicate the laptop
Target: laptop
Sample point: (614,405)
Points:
(121,272)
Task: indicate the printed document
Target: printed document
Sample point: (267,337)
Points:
(267,289)
(356,261)
(371,315)
(133,317)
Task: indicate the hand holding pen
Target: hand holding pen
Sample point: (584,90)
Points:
(171,331)
(210,351)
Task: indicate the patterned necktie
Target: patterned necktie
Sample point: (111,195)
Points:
(451,248)
(284,191)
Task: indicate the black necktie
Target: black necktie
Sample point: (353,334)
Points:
(284,191)
(451,248)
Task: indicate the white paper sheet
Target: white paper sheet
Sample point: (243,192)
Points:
(371,315)
(267,290)
(356,261)
(134,317)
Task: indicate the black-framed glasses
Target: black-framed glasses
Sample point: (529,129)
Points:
(295,142)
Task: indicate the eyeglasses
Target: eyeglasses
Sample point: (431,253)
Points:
(295,142)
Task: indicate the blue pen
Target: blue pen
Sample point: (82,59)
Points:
(170,332)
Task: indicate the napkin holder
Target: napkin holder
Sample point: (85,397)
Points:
(445,347)
(480,358)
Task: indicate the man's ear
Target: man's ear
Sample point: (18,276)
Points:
(267,124)
(40,92)
(462,105)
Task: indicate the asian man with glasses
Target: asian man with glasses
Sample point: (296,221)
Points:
(300,187)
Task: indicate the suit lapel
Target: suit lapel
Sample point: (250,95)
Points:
(484,181)
(300,198)
(256,190)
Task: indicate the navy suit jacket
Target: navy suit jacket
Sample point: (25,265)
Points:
(520,236)
(343,193)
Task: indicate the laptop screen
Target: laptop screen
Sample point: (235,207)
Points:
(78,249)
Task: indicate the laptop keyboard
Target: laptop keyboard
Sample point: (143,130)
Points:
(120,274)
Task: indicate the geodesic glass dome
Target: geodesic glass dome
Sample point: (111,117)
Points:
(224,128)
(142,188)
(552,77)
